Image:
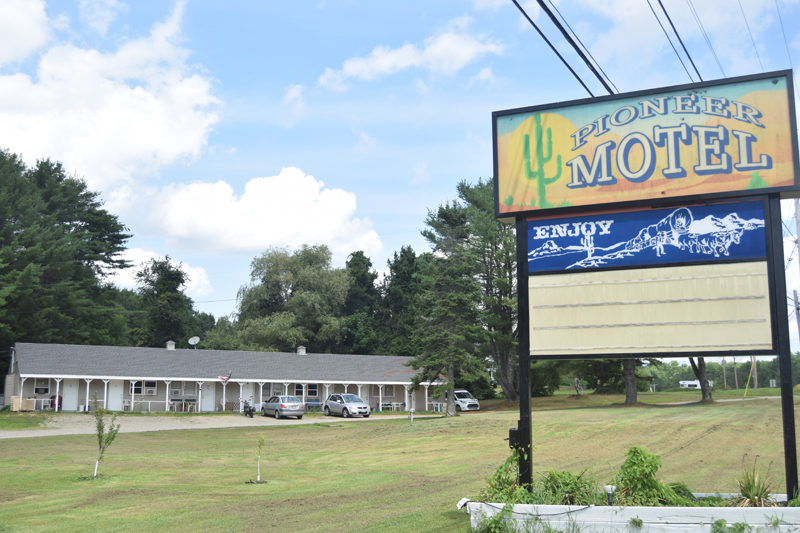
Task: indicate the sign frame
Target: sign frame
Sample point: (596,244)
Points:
(787,191)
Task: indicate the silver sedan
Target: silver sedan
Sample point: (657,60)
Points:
(281,406)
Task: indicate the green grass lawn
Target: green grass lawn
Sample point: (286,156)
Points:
(382,475)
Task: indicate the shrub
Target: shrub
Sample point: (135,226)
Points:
(637,484)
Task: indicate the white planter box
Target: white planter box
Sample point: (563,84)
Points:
(653,519)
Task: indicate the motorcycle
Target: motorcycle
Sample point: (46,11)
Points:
(248,409)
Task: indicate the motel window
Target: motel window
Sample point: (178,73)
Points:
(150,388)
(298,390)
(41,386)
(312,390)
(136,387)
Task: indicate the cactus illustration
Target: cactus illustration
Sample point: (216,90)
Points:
(588,245)
(541,159)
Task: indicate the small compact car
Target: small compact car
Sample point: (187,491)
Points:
(281,406)
(346,405)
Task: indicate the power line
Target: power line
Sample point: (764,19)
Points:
(574,45)
(678,35)
(585,48)
(755,48)
(783,32)
(788,230)
(553,48)
(664,30)
(705,35)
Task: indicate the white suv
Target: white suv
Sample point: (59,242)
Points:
(466,401)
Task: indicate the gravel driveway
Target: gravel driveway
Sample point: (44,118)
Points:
(82,423)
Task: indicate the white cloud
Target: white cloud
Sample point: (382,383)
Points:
(293,98)
(625,60)
(110,116)
(486,75)
(287,210)
(24,29)
(533,10)
(197,286)
(420,174)
(445,53)
(490,4)
(366,142)
(99,14)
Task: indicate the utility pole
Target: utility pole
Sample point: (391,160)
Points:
(724,375)
(754,364)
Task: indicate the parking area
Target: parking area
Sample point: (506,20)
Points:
(83,423)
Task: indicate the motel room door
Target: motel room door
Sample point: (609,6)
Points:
(69,395)
(115,394)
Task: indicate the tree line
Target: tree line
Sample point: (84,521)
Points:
(452,309)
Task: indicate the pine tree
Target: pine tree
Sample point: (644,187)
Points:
(448,330)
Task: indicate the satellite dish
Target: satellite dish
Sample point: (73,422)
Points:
(194,340)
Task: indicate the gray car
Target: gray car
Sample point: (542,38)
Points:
(346,405)
(280,406)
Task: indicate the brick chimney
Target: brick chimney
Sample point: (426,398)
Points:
(301,350)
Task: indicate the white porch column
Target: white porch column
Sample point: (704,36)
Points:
(359,391)
(426,398)
(58,392)
(105,393)
(286,389)
(224,386)
(327,388)
(199,404)
(133,394)
(260,392)
(406,401)
(241,388)
(304,392)
(86,403)
(345,387)
(380,397)
(166,395)
(21,386)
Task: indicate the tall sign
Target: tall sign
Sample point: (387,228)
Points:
(648,224)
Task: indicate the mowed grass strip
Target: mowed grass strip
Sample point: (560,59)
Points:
(382,475)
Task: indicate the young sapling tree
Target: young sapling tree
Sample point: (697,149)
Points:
(259,449)
(104,438)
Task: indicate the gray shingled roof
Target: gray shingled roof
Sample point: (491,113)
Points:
(122,362)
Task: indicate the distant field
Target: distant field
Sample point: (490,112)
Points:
(384,475)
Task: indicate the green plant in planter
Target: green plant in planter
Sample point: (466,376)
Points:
(559,487)
(503,485)
(502,522)
(754,489)
(637,484)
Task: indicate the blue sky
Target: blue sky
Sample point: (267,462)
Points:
(216,130)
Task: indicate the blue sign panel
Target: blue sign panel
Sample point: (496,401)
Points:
(690,234)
